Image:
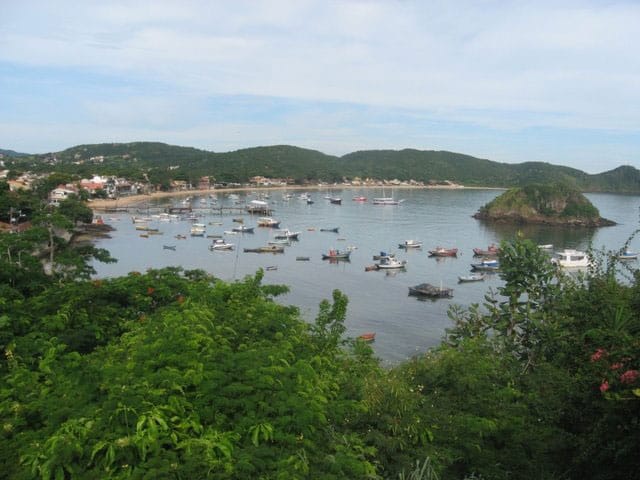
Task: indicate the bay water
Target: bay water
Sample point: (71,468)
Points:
(378,300)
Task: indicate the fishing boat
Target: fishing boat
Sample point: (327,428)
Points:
(428,290)
(221,244)
(268,222)
(302,259)
(410,244)
(491,250)
(266,249)
(336,255)
(443,252)
(168,247)
(474,277)
(334,229)
(570,258)
(382,255)
(335,200)
(390,263)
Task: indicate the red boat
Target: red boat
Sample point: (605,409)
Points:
(443,252)
(360,199)
(492,249)
(367,337)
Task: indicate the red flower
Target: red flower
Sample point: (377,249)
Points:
(150,290)
(630,376)
(604,386)
(616,366)
(598,354)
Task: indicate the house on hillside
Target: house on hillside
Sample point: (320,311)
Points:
(60,193)
(204,183)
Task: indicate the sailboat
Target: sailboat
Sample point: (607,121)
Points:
(386,200)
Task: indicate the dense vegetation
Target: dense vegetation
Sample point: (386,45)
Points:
(175,374)
(554,203)
(156,162)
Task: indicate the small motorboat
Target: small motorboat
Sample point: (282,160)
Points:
(334,230)
(570,258)
(286,235)
(428,290)
(474,277)
(359,198)
(367,337)
(443,252)
(168,247)
(336,200)
(388,263)
(242,229)
(486,265)
(268,222)
(302,259)
(410,244)
(221,244)
(271,268)
(491,250)
(628,255)
(266,249)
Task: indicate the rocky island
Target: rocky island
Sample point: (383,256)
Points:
(556,204)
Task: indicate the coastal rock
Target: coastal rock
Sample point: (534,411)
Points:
(557,204)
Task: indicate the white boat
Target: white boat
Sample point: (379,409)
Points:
(410,244)
(628,255)
(242,229)
(286,234)
(386,201)
(474,277)
(198,229)
(220,244)
(569,258)
(390,263)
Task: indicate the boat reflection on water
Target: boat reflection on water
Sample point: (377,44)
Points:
(543,234)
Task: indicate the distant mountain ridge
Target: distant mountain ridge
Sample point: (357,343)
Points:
(162,161)
(12,153)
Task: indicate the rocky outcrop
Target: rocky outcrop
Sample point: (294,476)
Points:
(544,205)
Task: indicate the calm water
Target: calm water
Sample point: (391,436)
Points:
(378,301)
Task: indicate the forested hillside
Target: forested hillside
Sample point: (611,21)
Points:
(161,162)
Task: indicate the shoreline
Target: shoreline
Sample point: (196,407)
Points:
(135,200)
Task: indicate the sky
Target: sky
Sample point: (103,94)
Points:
(510,81)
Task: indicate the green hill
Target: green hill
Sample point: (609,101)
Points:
(552,204)
(160,162)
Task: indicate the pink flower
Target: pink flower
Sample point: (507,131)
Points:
(604,386)
(630,376)
(616,366)
(598,354)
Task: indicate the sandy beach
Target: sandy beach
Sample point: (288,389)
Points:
(135,200)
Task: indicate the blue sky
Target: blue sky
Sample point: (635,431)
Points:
(518,81)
